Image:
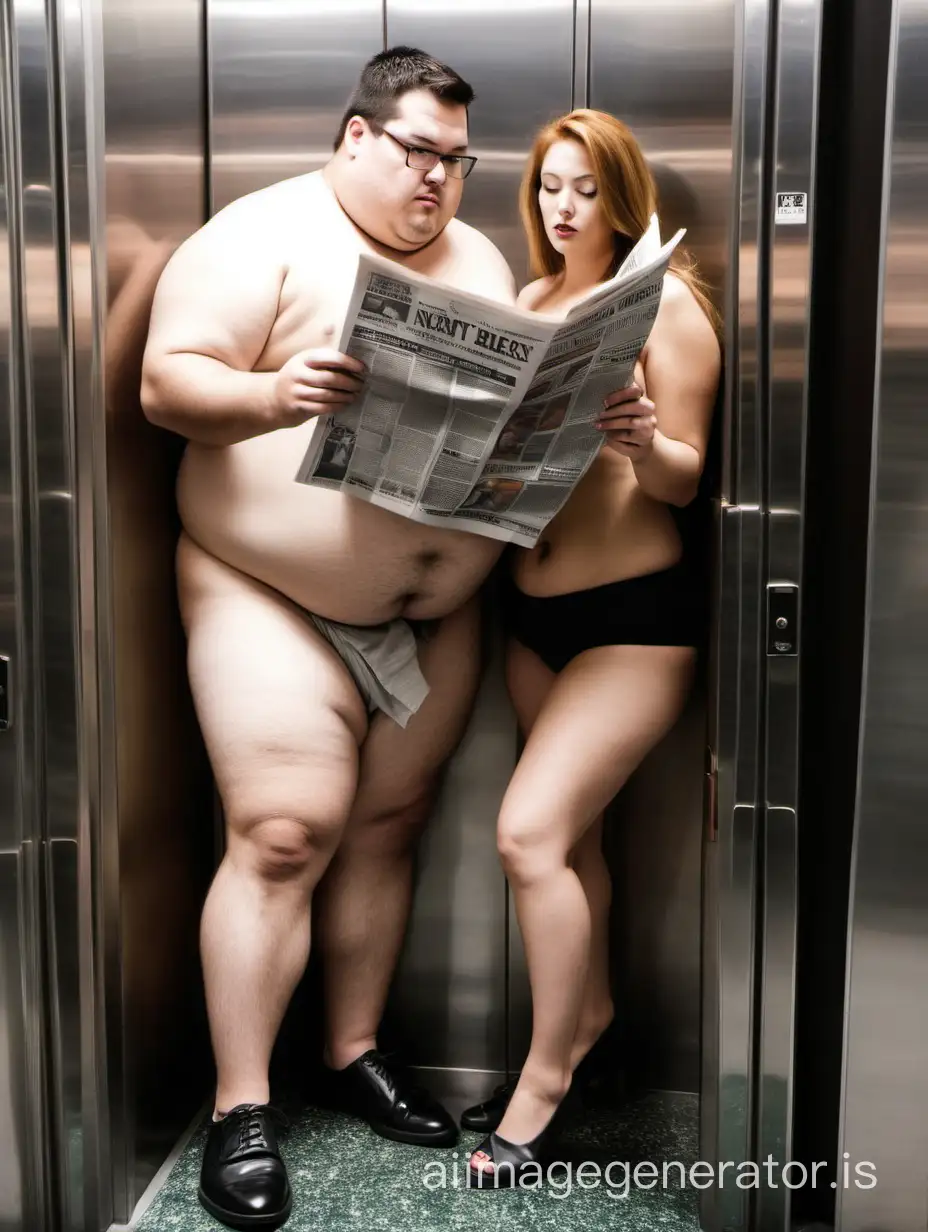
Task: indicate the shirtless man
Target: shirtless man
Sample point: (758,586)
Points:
(240,362)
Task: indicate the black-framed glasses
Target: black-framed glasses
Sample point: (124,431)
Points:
(457,165)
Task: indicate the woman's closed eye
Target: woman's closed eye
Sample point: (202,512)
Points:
(548,188)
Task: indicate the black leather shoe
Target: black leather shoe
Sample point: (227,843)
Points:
(392,1105)
(486,1116)
(243,1181)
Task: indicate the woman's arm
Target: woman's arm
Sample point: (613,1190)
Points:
(666,434)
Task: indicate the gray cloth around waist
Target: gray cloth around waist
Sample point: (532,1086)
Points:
(384,663)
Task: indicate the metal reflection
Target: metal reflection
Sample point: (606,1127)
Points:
(885,1098)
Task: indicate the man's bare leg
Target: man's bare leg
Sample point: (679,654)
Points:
(282,732)
(364,901)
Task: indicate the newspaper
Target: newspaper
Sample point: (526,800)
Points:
(476,415)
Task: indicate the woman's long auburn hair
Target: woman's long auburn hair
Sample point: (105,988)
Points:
(626,190)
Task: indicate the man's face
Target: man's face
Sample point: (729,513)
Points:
(399,205)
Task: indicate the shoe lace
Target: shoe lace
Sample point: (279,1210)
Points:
(401,1076)
(252,1122)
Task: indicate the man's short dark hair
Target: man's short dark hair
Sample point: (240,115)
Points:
(395,72)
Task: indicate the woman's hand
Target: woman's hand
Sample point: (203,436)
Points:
(628,423)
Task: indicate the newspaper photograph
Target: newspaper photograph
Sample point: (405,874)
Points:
(474,414)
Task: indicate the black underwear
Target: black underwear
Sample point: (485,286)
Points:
(667,608)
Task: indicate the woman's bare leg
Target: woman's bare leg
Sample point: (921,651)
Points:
(596,1008)
(600,718)
(529,681)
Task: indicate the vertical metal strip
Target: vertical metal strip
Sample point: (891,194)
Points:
(28,1164)
(789,212)
(207,71)
(730,903)
(81,869)
(583,18)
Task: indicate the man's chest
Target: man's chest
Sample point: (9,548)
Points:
(317,289)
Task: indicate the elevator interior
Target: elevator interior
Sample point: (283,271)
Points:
(126,124)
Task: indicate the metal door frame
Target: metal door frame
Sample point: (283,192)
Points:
(752,854)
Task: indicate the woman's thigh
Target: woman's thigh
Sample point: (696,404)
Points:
(601,717)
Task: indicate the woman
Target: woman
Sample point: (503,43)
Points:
(604,616)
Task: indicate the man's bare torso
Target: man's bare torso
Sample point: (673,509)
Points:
(337,556)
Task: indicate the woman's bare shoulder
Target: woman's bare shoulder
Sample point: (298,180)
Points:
(534,292)
(681,312)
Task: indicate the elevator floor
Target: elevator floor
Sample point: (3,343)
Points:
(344,1177)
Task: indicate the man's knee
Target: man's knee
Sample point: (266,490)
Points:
(393,827)
(288,848)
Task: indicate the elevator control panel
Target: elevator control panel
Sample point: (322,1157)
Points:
(782,618)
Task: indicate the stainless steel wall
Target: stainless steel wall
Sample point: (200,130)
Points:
(885,1095)
(44,931)
(21,1198)
(157,813)
(278,80)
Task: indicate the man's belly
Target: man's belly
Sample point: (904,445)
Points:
(335,555)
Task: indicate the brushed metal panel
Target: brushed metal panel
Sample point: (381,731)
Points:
(885,1089)
(791,157)
(20,1188)
(10,523)
(51,943)
(730,892)
(666,69)
(156,817)
(518,59)
(280,76)
(730,903)
(72,870)
(583,20)
(26,1177)
(449,996)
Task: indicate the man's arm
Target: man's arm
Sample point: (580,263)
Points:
(213,311)
(487,270)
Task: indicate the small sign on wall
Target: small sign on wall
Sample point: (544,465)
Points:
(791,208)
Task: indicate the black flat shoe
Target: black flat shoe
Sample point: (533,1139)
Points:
(515,1161)
(394,1106)
(243,1181)
(486,1116)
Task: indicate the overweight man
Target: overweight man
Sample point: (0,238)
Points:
(332,645)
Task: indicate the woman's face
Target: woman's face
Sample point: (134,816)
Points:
(569,202)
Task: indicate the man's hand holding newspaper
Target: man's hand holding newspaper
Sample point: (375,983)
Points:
(475,415)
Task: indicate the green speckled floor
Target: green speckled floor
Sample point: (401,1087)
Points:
(346,1177)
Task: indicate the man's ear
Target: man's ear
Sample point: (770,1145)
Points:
(355,130)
